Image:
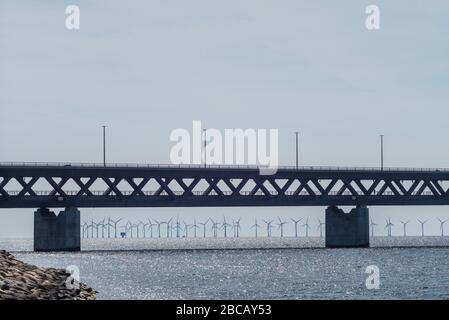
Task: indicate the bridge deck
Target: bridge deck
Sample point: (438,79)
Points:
(31,185)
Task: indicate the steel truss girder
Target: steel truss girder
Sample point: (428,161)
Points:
(297,187)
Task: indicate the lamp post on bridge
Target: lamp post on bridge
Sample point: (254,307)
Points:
(104,145)
(297,149)
(205,144)
(381,152)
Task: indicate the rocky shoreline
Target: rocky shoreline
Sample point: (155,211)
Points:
(22,281)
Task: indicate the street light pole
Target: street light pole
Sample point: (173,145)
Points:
(104,146)
(205,141)
(382,152)
(297,149)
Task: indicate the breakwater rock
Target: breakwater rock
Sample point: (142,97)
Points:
(22,281)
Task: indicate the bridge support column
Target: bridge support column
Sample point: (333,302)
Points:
(57,232)
(347,230)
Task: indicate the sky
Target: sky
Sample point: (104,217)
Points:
(145,68)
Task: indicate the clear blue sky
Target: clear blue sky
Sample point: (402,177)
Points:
(148,67)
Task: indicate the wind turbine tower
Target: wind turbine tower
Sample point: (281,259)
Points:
(442,222)
(225,226)
(404,225)
(372,225)
(255,225)
(195,227)
(204,227)
(269,227)
(296,226)
(388,226)
(215,227)
(281,226)
(168,227)
(306,225)
(320,227)
(422,226)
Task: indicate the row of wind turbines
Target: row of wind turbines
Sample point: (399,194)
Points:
(389,226)
(171,228)
(153,228)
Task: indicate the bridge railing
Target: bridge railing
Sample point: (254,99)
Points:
(199,166)
(226,193)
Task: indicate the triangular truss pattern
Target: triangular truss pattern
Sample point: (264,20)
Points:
(225,186)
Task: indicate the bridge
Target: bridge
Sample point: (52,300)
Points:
(80,185)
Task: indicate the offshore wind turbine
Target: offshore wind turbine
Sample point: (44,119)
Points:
(372,224)
(109,227)
(158,227)
(87,230)
(442,222)
(234,228)
(103,226)
(215,227)
(306,225)
(269,226)
(150,227)
(388,226)
(144,228)
(162,222)
(115,222)
(129,226)
(168,227)
(172,228)
(178,227)
(186,229)
(84,229)
(96,228)
(140,223)
(194,227)
(92,227)
(238,227)
(134,225)
(422,226)
(225,226)
(320,227)
(404,225)
(296,226)
(204,227)
(255,225)
(281,226)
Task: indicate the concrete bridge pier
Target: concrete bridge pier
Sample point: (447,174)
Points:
(347,229)
(57,232)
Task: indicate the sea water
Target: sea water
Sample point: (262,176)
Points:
(248,268)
